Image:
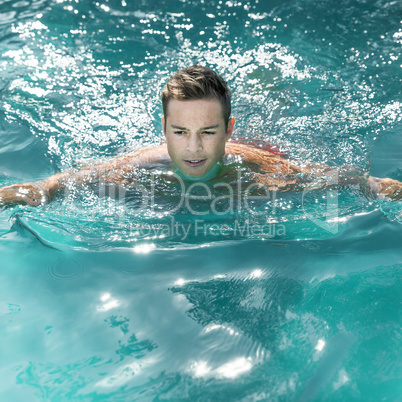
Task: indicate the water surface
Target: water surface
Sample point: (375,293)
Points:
(103,300)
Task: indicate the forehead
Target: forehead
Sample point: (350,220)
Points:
(200,110)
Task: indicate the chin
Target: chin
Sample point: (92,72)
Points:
(194,171)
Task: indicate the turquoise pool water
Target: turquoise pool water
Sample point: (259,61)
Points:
(296,298)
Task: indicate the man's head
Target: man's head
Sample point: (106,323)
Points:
(197,83)
(196,122)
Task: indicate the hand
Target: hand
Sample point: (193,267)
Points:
(26,193)
(386,188)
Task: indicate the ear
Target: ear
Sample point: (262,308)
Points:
(163,126)
(229,131)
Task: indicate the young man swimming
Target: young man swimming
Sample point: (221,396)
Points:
(197,125)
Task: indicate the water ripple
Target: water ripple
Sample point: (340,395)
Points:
(66,268)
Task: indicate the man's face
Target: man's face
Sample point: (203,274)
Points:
(196,134)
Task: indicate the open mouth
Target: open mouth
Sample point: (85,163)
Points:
(195,162)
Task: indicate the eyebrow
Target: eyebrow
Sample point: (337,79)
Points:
(202,128)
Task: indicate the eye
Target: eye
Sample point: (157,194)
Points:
(179,132)
(209,132)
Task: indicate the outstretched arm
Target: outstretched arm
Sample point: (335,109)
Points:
(280,174)
(120,170)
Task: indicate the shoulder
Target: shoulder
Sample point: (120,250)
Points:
(149,155)
(141,158)
(146,156)
(249,153)
(261,159)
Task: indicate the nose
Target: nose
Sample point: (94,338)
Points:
(194,143)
